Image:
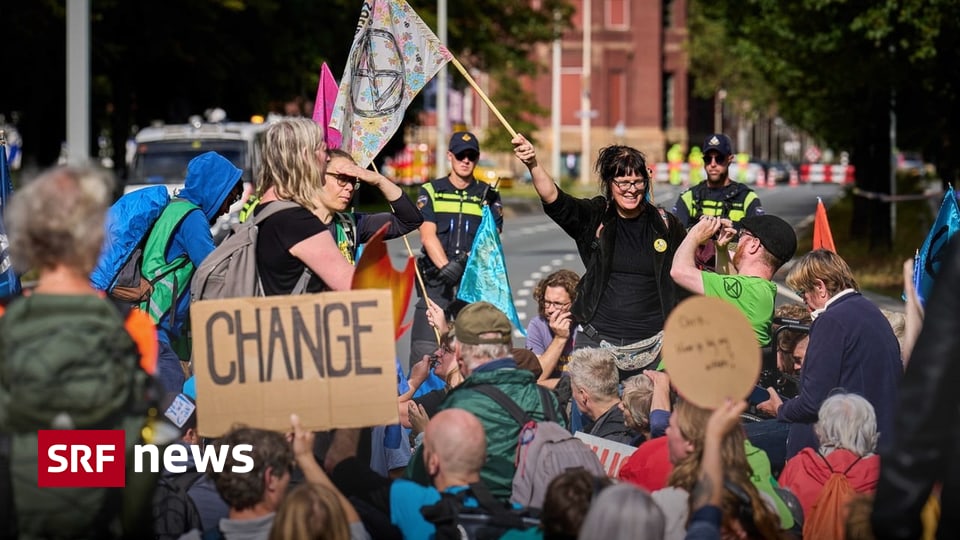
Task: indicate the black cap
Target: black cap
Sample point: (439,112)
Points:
(464,140)
(718,142)
(775,234)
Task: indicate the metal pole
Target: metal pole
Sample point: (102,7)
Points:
(555,100)
(893,164)
(442,84)
(78,81)
(585,150)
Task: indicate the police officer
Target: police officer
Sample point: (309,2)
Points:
(719,196)
(452,208)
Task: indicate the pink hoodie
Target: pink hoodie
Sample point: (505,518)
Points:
(807,472)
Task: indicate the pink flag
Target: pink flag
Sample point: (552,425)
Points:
(323,107)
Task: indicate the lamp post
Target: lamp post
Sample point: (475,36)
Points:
(585,94)
(442,113)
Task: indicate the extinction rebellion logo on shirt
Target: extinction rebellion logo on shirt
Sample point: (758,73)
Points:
(732,287)
(89,458)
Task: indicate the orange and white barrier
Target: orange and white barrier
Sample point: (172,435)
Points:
(819,173)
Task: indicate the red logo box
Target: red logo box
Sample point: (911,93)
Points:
(81,458)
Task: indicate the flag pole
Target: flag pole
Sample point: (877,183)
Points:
(456,63)
(416,267)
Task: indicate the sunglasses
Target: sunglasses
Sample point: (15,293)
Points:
(344,180)
(469,155)
(714,158)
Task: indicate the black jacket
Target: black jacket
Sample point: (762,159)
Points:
(926,432)
(581,218)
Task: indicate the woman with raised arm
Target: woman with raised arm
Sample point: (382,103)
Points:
(627,246)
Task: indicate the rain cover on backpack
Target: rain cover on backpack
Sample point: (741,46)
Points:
(828,515)
(129,220)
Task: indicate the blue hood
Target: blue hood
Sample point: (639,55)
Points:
(210,178)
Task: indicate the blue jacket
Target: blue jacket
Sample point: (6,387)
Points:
(210,179)
(852,347)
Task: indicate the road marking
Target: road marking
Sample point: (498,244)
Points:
(520,303)
(546,268)
(556,262)
(529,283)
(537,275)
(522,292)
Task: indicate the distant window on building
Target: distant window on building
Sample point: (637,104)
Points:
(668,100)
(617,97)
(616,14)
(667,13)
(570,84)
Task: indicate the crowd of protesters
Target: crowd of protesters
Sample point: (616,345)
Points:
(592,364)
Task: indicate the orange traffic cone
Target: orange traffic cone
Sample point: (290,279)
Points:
(822,237)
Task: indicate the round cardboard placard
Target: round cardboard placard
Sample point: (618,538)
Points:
(710,351)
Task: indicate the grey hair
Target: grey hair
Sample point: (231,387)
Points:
(847,421)
(594,370)
(623,512)
(58,218)
(475,356)
(637,398)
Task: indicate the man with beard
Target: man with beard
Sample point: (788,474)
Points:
(765,244)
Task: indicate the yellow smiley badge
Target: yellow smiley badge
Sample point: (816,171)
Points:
(660,245)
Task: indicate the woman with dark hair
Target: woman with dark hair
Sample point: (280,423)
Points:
(626,244)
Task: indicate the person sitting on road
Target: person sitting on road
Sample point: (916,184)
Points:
(550,333)
(623,512)
(482,335)
(646,410)
(847,431)
(792,344)
(595,388)
(627,246)
(310,512)
(766,243)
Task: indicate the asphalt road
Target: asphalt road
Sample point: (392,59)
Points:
(534,246)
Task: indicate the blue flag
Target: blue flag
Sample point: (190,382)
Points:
(9,281)
(485,277)
(931,254)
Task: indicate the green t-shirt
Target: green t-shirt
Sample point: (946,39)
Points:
(755,297)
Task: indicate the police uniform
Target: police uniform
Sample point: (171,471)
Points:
(457,214)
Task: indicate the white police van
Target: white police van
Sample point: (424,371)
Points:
(160,154)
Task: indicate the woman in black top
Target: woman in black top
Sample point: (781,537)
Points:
(627,246)
(294,164)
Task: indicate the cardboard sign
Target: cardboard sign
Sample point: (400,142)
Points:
(612,454)
(710,351)
(328,357)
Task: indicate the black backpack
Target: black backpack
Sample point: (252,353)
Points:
(174,512)
(491,519)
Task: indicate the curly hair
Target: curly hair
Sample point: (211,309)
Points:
(618,160)
(310,512)
(58,218)
(290,164)
(568,279)
(270,452)
(826,266)
(692,423)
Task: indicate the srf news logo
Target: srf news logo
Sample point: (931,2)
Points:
(97,459)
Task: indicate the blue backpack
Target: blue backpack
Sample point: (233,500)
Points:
(129,221)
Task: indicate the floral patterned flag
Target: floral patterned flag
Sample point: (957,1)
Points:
(394,54)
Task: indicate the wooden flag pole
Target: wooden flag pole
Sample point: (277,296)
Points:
(456,63)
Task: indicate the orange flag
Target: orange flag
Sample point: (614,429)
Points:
(375,271)
(822,237)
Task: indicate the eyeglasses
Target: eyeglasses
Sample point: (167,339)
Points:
(714,158)
(468,155)
(561,305)
(343,180)
(745,233)
(624,185)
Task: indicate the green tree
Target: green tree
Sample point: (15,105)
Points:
(833,68)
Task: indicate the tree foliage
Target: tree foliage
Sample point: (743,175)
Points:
(166,60)
(834,68)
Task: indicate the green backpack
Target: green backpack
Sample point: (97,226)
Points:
(763,480)
(67,362)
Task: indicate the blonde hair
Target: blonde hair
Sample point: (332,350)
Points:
(290,163)
(692,423)
(826,266)
(58,218)
(637,398)
(310,512)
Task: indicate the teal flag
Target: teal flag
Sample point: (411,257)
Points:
(931,254)
(9,281)
(485,277)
